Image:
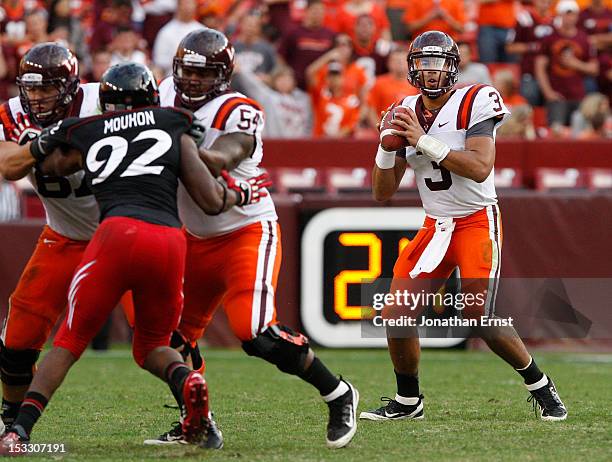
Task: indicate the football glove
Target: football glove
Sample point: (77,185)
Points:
(250,190)
(24,131)
(197,131)
(45,143)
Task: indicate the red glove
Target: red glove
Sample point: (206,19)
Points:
(24,131)
(250,190)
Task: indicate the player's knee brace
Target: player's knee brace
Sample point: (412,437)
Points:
(187,350)
(17,366)
(281,346)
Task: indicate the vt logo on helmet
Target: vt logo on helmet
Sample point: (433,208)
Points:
(202,66)
(48,82)
(433,63)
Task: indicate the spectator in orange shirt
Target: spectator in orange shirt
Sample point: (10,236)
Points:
(496,20)
(354,78)
(507,86)
(336,111)
(353,9)
(391,87)
(444,15)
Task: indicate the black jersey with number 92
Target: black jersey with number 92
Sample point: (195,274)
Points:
(131,160)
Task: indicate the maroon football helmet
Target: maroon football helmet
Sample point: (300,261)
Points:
(202,66)
(433,63)
(48,66)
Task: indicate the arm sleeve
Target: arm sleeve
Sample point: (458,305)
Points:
(484,128)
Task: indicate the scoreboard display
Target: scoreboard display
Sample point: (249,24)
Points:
(346,253)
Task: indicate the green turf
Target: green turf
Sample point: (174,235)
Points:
(474,405)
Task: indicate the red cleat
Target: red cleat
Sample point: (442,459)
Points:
(195,398)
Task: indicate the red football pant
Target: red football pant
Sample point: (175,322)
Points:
(475,249)
(239,270)
(127,254)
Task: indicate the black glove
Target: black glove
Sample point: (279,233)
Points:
(197,131)
(45,143)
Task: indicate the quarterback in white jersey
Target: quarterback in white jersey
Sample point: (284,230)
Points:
(450,138)
(234,258)
(49,91)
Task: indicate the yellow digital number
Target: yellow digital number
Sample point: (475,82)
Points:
(346,277)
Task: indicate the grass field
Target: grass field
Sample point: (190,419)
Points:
(475,409)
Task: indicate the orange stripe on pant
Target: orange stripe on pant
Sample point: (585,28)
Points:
(238,270)
(475,249)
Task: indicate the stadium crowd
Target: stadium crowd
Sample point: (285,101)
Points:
(328,67)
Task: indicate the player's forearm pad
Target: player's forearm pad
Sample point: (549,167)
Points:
(385,159)
(435,149)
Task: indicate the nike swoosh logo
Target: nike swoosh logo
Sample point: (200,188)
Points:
(391,415)
(49,241)
(442,125)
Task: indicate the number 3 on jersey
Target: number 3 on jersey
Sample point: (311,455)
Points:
(119,145)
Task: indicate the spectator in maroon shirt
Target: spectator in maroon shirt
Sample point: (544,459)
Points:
(596,21)
(372,53)
(565,59)
(533,24)
(307,41)
(117,14)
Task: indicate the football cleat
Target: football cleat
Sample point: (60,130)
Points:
(342,418)
(547,399)
(395,411)
(172,436)
(195,398)
(214,437)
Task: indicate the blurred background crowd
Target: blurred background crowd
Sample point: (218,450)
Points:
(326,68)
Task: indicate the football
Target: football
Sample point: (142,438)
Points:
(388,140)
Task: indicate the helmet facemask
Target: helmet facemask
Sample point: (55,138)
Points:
(433,72)
(196,80)
(49,109)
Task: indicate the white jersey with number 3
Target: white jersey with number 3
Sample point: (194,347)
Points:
(70,208)
(230,112)
(444,193)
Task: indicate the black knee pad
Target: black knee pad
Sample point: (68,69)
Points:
(184,347)
(281,346)
(17,366)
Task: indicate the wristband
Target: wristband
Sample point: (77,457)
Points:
(36,151)
(435,149)
(385,159)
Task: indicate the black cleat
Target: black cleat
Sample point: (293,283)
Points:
(173,436)
(547,399)
(212,440)
(214,437)
(395,411)
(342,418)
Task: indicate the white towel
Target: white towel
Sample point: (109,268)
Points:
(436,249)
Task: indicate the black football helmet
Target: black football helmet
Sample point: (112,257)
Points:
(48,66)
(203,66)
(430,52)
(128,86)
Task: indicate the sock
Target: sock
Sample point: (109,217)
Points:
(175,375)
(10,411)
(32,408)
(321,378)
(407,386)
(531,373)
